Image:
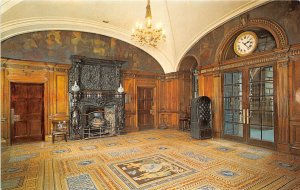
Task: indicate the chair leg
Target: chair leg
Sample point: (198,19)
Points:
(66,137)
(53,136)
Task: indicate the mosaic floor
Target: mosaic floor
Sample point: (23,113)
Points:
(156,159)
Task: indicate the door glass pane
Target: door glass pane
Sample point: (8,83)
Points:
(255,132)
(228,78)
(228,128)
(228,91)
(232,101)
(237,78)
(261,100)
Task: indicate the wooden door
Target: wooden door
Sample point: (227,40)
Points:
(145,111)
(27,103)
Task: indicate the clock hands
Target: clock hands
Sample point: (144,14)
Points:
(247,46)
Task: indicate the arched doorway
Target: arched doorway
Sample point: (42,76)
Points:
(189,84)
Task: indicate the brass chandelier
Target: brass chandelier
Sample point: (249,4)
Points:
(148,34)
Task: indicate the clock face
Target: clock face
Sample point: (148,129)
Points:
(245,43)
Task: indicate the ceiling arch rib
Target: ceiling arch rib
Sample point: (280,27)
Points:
(183,32)
(22,26)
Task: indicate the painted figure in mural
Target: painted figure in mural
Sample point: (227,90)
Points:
(99,47)
(135,61)
(53,45)
(76,38)
(205,53)
(290,18)
(113,48)
(58,46)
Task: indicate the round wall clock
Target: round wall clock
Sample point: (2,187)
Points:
(245,43)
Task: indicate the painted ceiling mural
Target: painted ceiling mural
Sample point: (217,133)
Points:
(285,13)
(58,46)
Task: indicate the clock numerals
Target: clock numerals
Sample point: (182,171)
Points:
(245,43)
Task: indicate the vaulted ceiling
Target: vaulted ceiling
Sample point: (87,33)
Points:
(185,21)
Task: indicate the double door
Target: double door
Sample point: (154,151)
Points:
(248,105)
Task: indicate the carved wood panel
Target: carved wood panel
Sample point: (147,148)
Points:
(27,102)
(282,99)
(34,72)
(295,137)
(294,80)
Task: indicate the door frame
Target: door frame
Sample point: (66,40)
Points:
(154,104)
(246,139)
(11,119)
(7,100)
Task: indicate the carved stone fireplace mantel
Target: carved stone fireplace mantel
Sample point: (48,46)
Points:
(98,81)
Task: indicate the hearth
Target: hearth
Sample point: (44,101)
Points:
(97,108)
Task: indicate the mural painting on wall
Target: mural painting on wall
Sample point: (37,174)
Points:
(58,46)
(285,13)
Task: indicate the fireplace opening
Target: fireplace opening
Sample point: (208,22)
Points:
(96,124)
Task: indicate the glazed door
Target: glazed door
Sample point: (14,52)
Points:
(233,105)
(261,119)
(248,105)
(27,106)
(145,111)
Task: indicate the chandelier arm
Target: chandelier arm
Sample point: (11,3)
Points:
(148,35)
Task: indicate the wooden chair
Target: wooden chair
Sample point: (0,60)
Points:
(60,128)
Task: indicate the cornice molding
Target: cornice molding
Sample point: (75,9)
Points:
(281,57)
(34,24)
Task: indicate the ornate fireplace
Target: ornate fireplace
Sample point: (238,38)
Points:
(97,107)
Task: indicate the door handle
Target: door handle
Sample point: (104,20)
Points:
(247,116)
(244,116)
(12,121)
(17,118)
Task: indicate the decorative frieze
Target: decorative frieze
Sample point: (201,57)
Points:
(281,57)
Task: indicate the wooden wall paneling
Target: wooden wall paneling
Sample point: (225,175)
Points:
(216,98)
(209,86)
(59,106)
(185,93)
(52,100)
(131,81)
(130,111)
(33,72)
(61,95)
(282,90)
(149,82)
(206,85)
(201,84)
(294,104)
(169,101)
(3,116)
(294,81)
(295,137)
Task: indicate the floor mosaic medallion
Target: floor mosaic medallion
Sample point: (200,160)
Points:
(147,160)
(145,172)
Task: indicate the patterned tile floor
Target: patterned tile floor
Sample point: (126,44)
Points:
(155,159)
